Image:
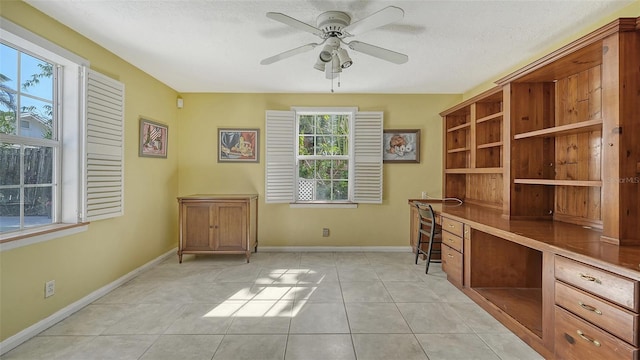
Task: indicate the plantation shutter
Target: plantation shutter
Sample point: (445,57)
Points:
(367,147)
(280,140)
(104,148)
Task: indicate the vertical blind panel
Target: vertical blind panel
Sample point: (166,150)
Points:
(367,147)
(280,136)
(104,166)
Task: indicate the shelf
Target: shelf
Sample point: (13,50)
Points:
(489,117)
(522,304)
(497,170)
(490,145)
(458,150)
(588,183)
(459,127)
(583,126)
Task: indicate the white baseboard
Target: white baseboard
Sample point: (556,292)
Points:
(42,325)
(334,248)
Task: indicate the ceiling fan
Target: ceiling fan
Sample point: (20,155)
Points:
(333,27)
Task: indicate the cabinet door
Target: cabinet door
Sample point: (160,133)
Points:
(230,226)
(196,227)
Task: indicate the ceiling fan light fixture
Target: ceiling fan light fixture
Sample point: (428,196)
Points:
(320,65)
(326,54)
(344,59)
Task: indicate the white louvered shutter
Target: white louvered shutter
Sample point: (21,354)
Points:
(104,148)
(280,140)
(367,147)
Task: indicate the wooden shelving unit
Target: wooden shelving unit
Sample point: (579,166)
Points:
(553,149)
(476,163)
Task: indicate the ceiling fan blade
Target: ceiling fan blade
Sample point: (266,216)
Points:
(288,53)
(288,20)
(381,53)
(381,18)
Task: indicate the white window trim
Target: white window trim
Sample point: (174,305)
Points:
(70,106)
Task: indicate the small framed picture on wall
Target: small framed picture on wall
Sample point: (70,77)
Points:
(153,139)
(401,146)
(238,145)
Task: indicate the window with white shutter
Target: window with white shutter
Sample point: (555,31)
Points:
(323,155)
(61,140)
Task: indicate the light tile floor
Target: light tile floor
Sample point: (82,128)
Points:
(290,306)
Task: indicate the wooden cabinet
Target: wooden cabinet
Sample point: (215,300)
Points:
(548,167)
(452,250)
(218,224)
(596,312)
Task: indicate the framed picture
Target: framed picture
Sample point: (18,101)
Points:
(238,145)
(401,146)
(153,138)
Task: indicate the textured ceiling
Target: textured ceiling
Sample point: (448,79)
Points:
(216,46)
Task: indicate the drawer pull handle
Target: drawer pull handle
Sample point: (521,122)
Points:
(451,226)
(589,308)
(590,278)
(594,341)
(449,255)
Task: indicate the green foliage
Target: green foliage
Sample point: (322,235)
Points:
(46,71)
(7,122)
(325,135)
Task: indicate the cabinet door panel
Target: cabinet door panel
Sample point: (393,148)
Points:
(197,231)
(231,231)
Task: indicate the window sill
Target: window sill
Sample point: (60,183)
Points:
(323,205)
(33,236)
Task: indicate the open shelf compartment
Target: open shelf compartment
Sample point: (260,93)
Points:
(509,276)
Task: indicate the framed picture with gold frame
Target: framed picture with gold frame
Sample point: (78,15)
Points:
(401,146)
(238,145)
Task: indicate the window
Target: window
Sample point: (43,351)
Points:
(30,145)
(46,133)
(323,155)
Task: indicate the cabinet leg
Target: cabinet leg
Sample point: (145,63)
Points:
(180,258)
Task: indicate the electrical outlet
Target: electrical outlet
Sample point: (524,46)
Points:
(49,288)
(325,232)
(424,195)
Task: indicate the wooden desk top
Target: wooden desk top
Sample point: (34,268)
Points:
(574,241)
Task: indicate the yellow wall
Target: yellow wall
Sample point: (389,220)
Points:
(280,225)
(85,262)
(632,10)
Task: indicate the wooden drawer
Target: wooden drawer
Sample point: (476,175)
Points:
(453,241)
(452,226)
(616,320)
(577,339)
(452,264)
(612,287)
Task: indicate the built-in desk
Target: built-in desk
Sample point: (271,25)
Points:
(512,269)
